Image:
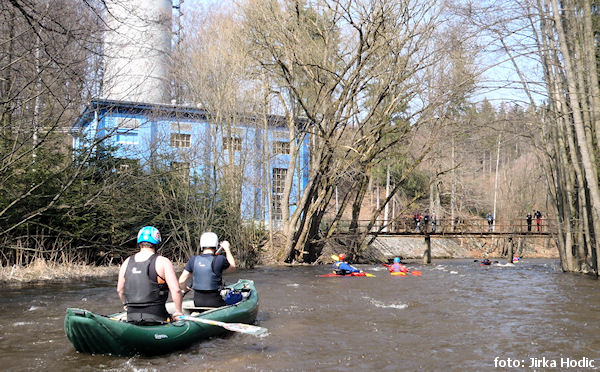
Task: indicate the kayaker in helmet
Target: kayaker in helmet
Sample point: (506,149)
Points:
(145,280)
(206,271)
(341,267)
(397,266)
(486,261)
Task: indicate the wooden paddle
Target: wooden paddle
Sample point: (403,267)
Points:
(235,327)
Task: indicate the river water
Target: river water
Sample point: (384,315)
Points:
(457,316)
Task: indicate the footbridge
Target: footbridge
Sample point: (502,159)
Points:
(445,237)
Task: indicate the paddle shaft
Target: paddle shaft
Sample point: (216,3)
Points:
(235,327)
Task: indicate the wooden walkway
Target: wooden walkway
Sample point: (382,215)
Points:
(457,228)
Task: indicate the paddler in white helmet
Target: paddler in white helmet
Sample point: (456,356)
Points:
(206,271)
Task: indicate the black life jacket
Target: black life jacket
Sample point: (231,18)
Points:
(141,283)
(205,278)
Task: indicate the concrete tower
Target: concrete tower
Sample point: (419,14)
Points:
(137,45)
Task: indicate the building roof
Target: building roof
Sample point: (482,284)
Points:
(159,111)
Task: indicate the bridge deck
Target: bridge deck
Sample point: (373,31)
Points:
(467,233)
(455,228)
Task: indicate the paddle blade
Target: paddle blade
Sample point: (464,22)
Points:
(238,327)
(369,275)
(335,257)
(235,327)
(416,273)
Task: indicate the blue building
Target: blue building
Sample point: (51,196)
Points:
(186,137)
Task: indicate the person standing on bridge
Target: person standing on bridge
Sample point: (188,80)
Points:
(538,220)
(417,219)
(529,219)
(490,220)
(426,223)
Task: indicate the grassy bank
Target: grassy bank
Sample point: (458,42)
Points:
(45,270)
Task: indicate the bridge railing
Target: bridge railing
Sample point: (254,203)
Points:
(407,225)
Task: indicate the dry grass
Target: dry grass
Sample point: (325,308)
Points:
(43,270)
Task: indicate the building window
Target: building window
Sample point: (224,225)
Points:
(127,138)
(278,134)
(279,175)
(281,147)
(127,123)
(235,142)
(181,140)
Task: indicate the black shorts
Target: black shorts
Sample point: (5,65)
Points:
(151,314)
(208,299)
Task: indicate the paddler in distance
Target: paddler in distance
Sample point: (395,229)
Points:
(341,267)
(397,266)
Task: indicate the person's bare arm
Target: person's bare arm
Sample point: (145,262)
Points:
(121,282)
(183,278)
(165,267)
(226,247)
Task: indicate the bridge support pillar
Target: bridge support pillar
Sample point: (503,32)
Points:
(427,254)
(511,250)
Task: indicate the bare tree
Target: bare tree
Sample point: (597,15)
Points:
(355,69)
(46,57)
(562,35)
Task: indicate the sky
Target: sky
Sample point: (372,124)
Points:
(498,83)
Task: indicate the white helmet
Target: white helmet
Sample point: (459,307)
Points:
(209,240)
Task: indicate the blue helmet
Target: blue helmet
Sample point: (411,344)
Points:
(396,259)
(148,234)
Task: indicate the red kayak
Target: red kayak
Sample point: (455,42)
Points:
(351,274)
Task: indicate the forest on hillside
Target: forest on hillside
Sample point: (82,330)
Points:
(408,97)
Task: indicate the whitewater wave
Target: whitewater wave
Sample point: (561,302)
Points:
(385,306)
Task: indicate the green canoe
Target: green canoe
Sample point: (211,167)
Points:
(99,334)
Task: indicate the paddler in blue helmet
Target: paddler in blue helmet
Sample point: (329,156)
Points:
(145,280)
(397,266)
(341,267)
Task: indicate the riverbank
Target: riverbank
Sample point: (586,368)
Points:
(42,270)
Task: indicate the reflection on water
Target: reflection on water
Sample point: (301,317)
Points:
(457,316)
